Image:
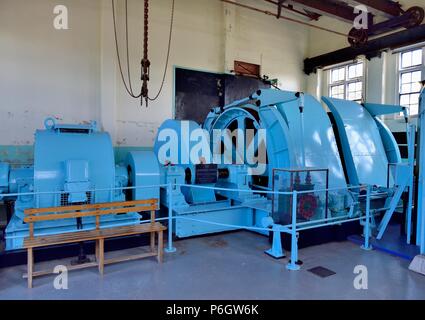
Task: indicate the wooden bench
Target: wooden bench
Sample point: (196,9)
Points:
(98,235)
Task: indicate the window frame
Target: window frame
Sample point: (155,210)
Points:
(401,71)
(346,82)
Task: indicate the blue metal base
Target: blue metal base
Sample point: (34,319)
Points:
(293,267)
(369,248)
(276,251)
(272,254)
(217,216)
(172,250)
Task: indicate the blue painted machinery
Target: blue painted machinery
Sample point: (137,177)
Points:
(300,140)
(193,199)
(293,145)
(74,164)
(372,156)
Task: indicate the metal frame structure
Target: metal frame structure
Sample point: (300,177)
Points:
(421,178)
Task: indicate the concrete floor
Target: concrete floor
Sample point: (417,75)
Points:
(229,266)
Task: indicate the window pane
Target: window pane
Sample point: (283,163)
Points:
(411,58)
(406,78)
(414,104)
(405,88)
(404,100)
(416,76)
(414,98)
(360,70)
(406,59)
(355,90)
(355,71)
(414,109)
(351,72)
(342,74)
(416,87)
(359,86)
(337,75)
(411,101)
(334,76)
(410,82)
(417,57)
(337,92)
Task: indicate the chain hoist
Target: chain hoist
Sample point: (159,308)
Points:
(145,61)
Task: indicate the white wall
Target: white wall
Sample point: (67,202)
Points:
(44,72)
(73,74)
(278,46)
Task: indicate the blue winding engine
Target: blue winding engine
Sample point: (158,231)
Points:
(302,152)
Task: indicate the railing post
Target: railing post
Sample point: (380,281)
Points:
(366,245)
(411,156)
(170,248)
(293,264)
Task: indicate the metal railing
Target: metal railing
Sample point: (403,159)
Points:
(291,229)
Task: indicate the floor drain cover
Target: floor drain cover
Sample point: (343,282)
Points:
(322,272)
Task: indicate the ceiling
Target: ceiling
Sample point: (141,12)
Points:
(343,9)
(383,15)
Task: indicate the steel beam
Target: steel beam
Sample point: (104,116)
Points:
(281,5)
(388,7)
(370,49)
(331,8)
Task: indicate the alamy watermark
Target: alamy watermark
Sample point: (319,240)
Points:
(361,281)
(61,280)
(222,146)
(362,19)
(60,21)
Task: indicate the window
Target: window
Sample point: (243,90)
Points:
(347,82)
(411,72)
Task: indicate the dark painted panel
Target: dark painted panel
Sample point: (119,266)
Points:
(197,92)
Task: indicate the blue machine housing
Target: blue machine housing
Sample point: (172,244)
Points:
(143,172)
(299,134)
(4,178)
(367,144)
(193,204)
(294,139)
(70,162)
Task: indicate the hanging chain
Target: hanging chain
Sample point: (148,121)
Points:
(145,61)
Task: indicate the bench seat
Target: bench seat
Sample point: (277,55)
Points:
(82,236)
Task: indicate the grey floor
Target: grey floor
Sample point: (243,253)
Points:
(229,266)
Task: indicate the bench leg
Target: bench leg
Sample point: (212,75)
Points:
(97,251)
(160,246)
(101,252)
(30,266)
(153,242)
